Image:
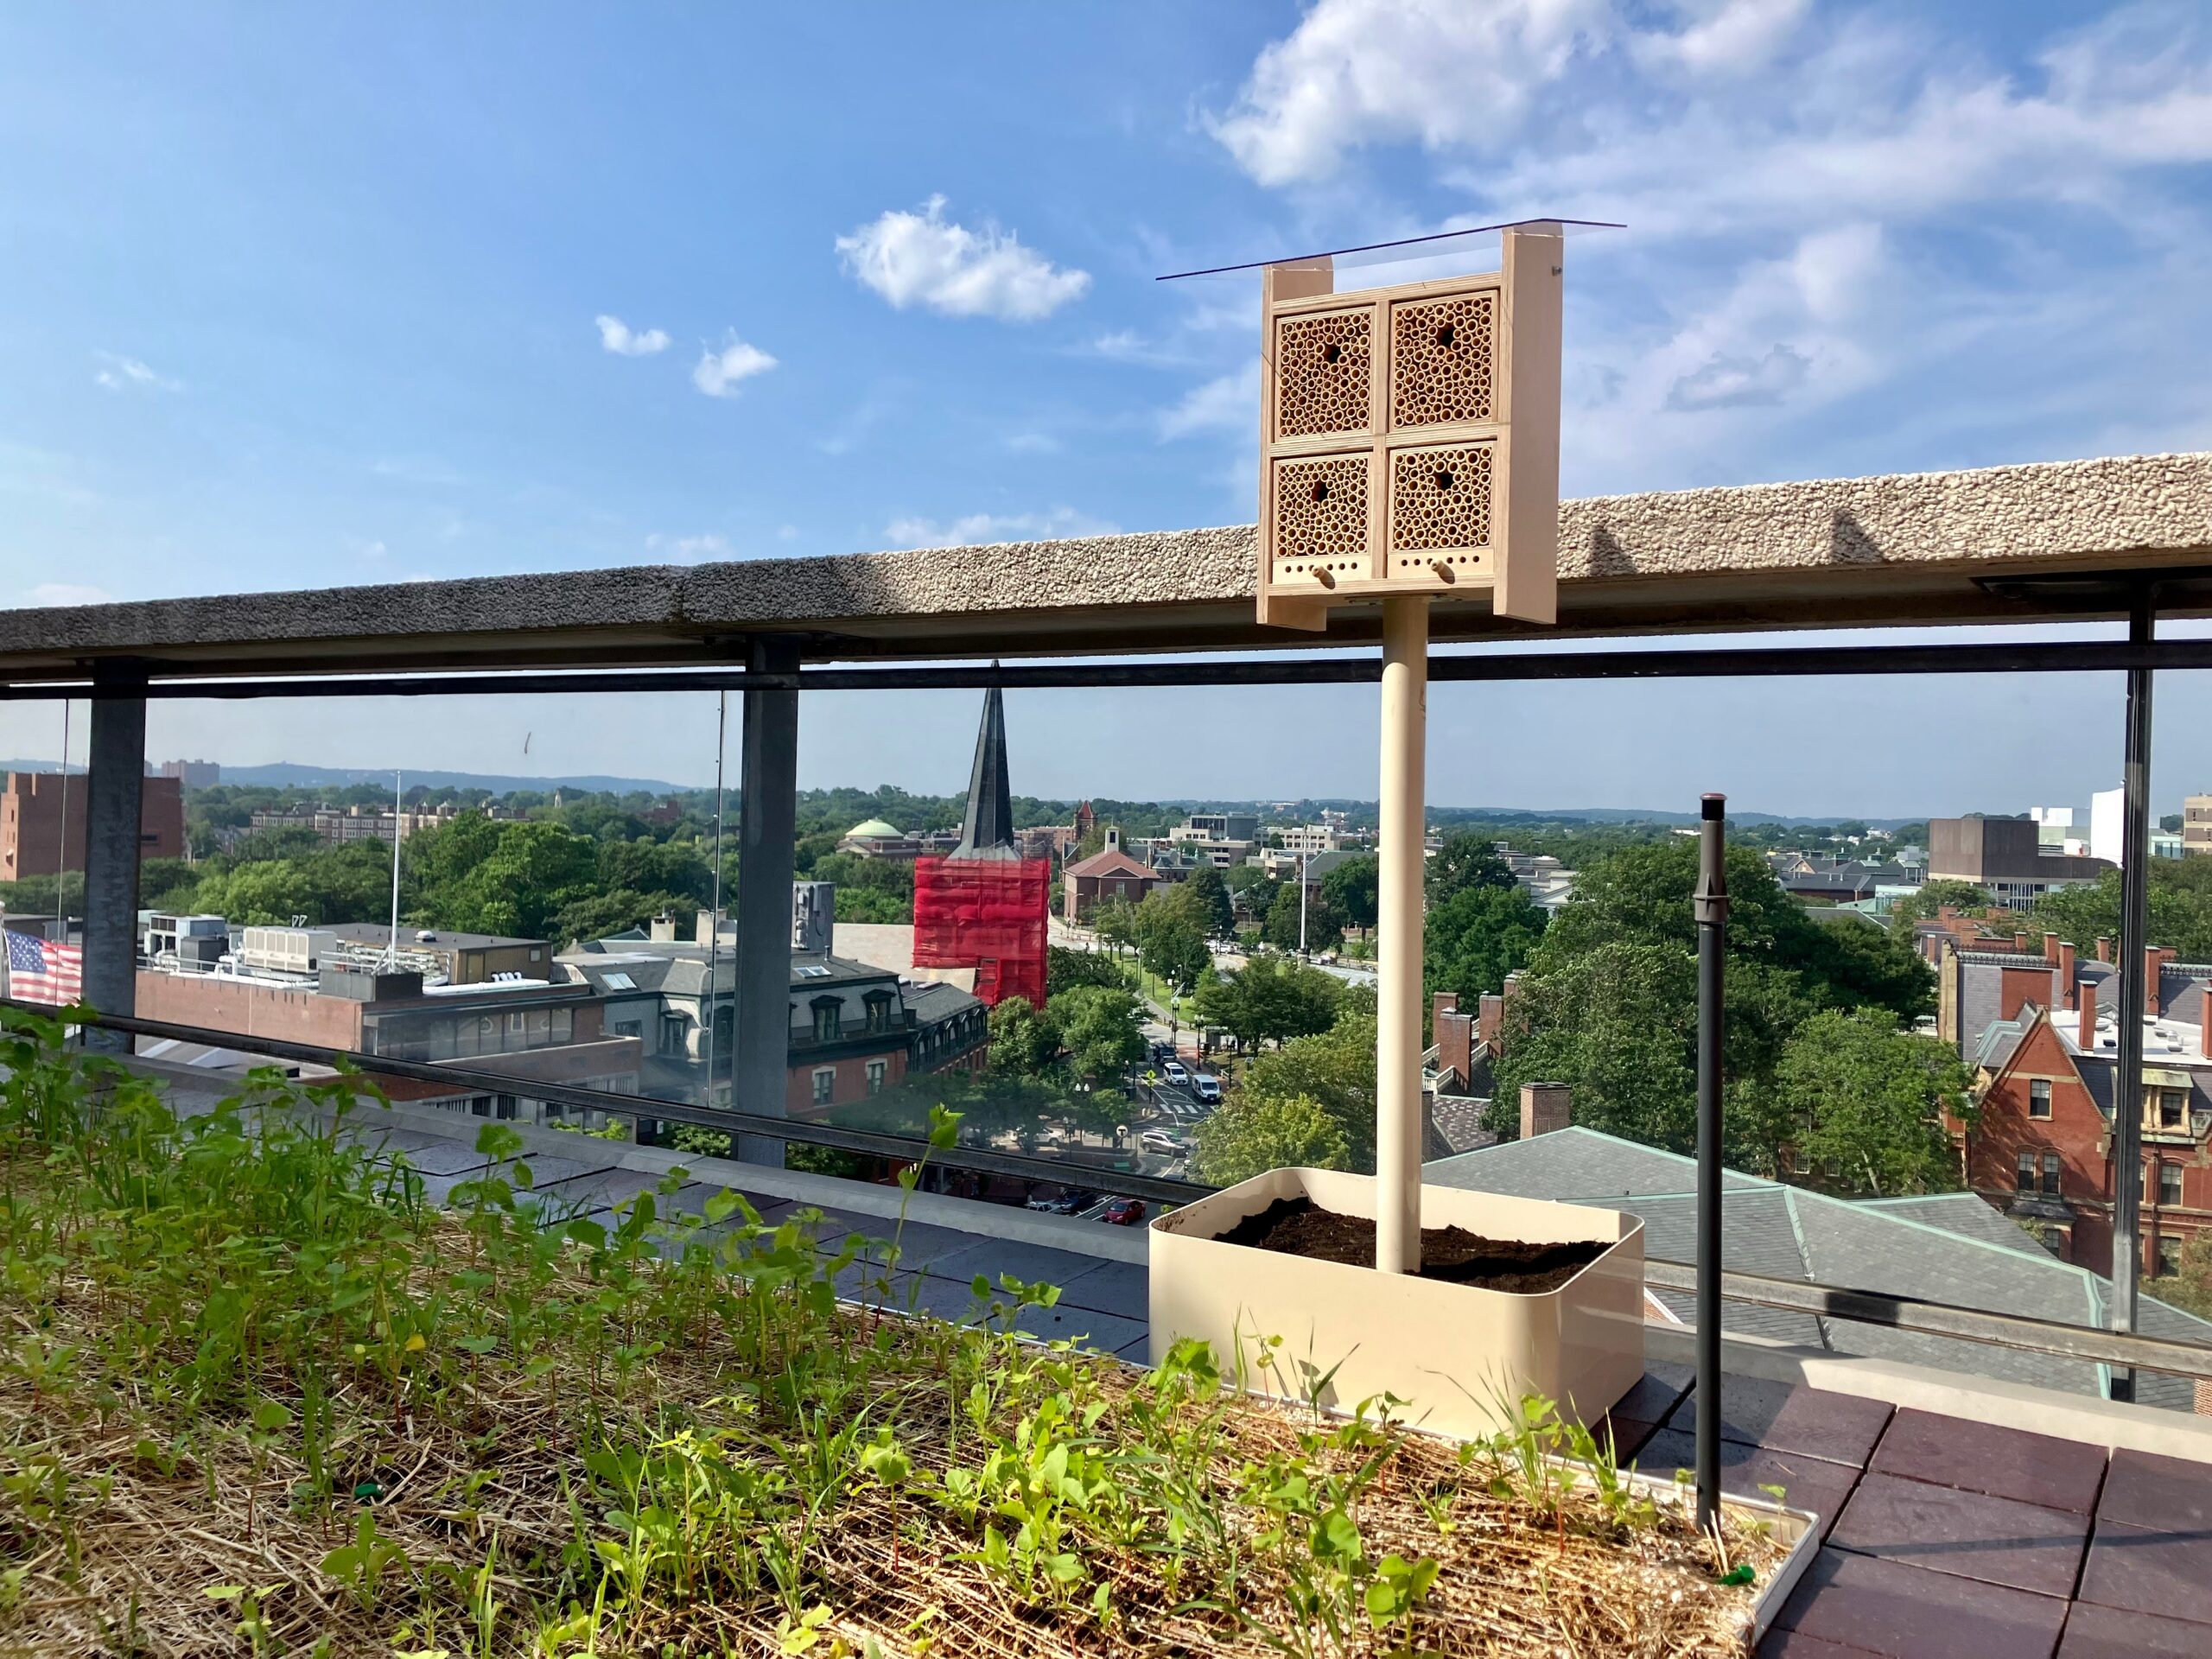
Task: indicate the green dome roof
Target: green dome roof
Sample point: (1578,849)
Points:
(875,830)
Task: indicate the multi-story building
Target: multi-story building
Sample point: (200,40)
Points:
(2046,1076)
(40,808)
(2005,858)
(341,826)
(1222,838)
(856,1029)
(529,1030)
(2196,824)
(193,774)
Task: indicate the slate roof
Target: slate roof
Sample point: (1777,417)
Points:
(1949,1248)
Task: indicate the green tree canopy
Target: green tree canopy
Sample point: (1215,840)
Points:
(1352,890)
(1101,1029)
(1335,1067)
(2181,909)
(1258,1132)
(1608,1002)
(1208,893)
(1476,936)
(1065,970)
(1864,1102)
(1465,859)
(1270,1000)
(1324,925)
(1024,1042)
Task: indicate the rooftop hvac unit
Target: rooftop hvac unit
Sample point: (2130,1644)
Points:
(289,950)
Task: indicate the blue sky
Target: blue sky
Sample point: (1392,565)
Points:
(344,294)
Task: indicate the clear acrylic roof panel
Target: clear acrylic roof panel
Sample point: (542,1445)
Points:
(1412,259)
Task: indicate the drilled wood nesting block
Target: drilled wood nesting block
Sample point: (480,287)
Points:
(1439,503)
(1320,516)
(1322,372)
(1442,359)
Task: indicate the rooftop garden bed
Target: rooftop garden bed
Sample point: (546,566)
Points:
(258,1397)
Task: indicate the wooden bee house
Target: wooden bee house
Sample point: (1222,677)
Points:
(1410,437)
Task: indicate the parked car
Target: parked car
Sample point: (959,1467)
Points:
(1177,1072)
(1159,1140)
(1206,1087)
(1073,1202)
(1123,1213)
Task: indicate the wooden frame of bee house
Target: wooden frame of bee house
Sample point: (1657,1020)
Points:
(1410,437)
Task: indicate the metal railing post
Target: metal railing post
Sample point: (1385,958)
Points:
(768,811)
(114,800)
(2134,976)
(1711,904)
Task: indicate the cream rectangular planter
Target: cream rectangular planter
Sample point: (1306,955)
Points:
(1454,1352)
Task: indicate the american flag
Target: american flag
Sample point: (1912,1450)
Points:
(39,970)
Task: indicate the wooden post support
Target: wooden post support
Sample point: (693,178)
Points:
(1398,952)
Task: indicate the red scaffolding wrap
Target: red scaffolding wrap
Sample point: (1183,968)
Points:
(988,914)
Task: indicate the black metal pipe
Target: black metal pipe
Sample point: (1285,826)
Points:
(2135,971)
(903,1147)
(2055,656)
(1711,904)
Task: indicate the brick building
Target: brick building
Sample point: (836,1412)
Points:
(529,1031)
(40,807)
(1110,873)
(2045,1075)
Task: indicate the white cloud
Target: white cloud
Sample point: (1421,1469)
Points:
(1740,382)
(120,373)
(1859,237)
(925,259)
(979,528)
(690,549)
(66,593)
(719,373)
(1726,37)
(1033,442)
(617,336)
(1228,403)
(1440,73)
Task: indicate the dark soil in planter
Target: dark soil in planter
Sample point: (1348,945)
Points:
(1301,1227)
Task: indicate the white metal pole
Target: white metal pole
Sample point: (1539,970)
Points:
(1304,859)
(1398,957)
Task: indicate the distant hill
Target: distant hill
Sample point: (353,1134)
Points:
(290,774)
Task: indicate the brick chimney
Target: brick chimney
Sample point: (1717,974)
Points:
(2205,1022)
(2021,944)
(2154,962)
(1544,1107)
(2050,946)
(1455,1035)
(2104,949)
(2087,1037)
(2065,975)
(1489,1020)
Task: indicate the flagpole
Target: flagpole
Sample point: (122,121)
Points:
(61,845)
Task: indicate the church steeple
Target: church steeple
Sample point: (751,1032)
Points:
(988,830)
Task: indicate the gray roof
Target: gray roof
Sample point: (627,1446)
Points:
(932,1001)
(441,938)
(1945,1247)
